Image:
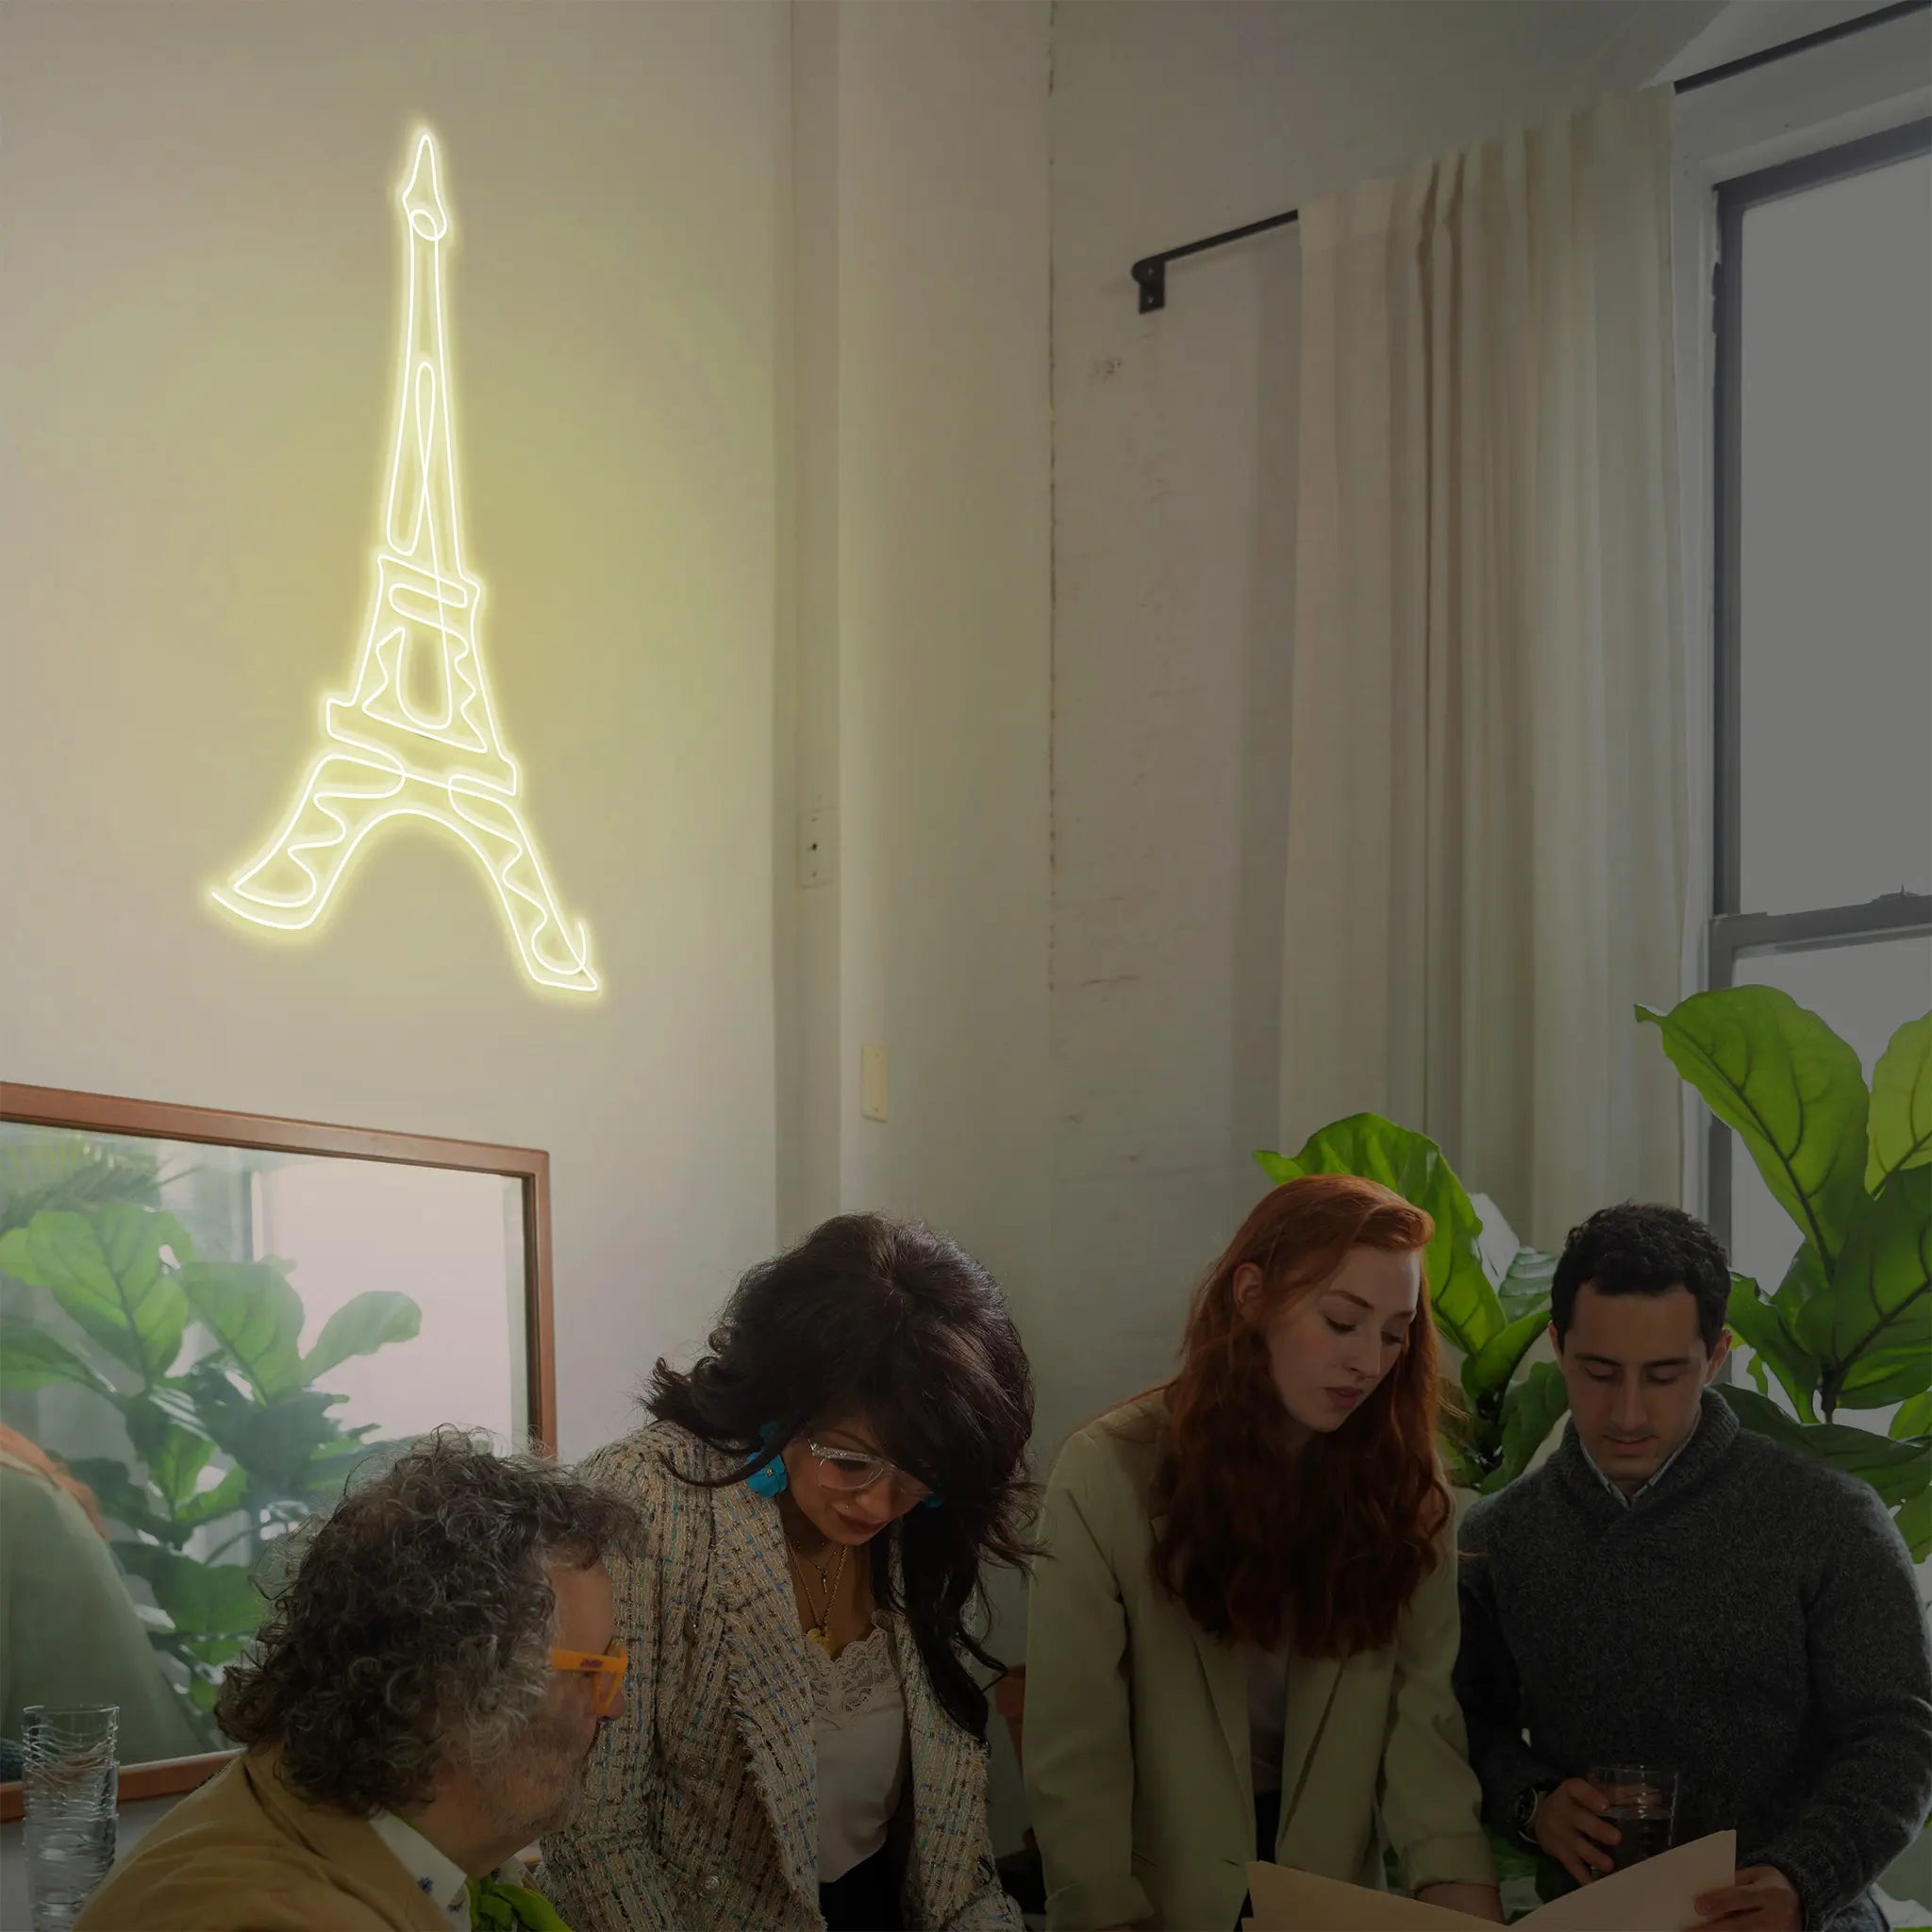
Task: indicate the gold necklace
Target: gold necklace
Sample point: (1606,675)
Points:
(820,1632)
(799,1548)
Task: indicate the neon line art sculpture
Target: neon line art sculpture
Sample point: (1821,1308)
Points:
(417,735)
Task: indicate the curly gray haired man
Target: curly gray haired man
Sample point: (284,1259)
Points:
(418,1706)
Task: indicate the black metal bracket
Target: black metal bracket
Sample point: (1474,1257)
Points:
(1150,271)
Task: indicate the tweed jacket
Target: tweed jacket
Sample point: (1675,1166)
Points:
(702,1809)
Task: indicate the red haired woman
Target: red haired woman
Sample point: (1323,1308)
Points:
(1245,1618)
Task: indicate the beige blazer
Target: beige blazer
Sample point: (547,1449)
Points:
(244,1854)
(702,1809)
(1137,1755)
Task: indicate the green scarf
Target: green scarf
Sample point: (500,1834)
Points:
(495,1906)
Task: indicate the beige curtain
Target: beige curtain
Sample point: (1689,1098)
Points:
(1488,821)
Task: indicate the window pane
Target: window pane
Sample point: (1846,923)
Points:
(1835,607)
(1864,994)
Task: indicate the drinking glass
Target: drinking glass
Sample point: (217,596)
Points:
(1642,1806)
(69,1792)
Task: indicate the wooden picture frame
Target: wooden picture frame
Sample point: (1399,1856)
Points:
(97,1116)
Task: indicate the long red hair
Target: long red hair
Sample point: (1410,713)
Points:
(1323,1547)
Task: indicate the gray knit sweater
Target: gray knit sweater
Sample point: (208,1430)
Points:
(1751,1618)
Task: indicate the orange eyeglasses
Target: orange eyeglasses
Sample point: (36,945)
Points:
(605,1669)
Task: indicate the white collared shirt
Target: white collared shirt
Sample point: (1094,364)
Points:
(436,1876)
(1649,1482)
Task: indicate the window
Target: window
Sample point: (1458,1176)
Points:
(1824,621)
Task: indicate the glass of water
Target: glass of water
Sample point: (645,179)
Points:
(69,1791)
(1642,1806)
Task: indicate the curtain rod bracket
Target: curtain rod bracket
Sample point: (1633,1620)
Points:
(1151,273)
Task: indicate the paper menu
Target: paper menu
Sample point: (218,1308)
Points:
(1658,1895)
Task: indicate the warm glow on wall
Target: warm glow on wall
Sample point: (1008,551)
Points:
(417,735)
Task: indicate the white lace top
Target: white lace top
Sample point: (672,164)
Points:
(859,1725)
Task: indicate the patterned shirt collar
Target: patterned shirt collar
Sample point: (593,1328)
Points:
(440,1880)
(1650,1482)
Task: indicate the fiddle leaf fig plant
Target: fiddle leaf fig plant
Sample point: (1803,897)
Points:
(1491,1295)
(232,1439)
(1850,1324)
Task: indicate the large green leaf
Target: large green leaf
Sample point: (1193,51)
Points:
(1901,1130)
(1492,1365)
(119,1496)
(1465,1472)
(1898,1469)
(211,1650)
(1530,1409)
(1790,1088)
(31,1358)
(1915,1418)
(1883,1376)
(209,1505)
(1804,1283)
(1914,1519)
(1886,1273)
(200,1599)
(106,1270)
(176,1459)
(148,1418)
(1805,1306)
(46,1168)
(273,1442)
(1760,1326)
(1896,1367)
(326,1475)
(1525,1287)
(372,1320)
(1465,1305)
(256,1316)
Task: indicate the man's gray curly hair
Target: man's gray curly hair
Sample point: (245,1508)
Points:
(418,1622)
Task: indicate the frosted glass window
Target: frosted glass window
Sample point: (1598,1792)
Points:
(1835,598)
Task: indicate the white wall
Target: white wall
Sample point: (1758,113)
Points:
(923,655)
(924,559)
(1173,559)
(197,329)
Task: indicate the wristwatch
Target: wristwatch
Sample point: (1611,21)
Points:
(1524,1816)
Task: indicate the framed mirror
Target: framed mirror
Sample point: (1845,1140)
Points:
(208,1320)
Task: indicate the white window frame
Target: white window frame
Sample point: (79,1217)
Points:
(1869,84)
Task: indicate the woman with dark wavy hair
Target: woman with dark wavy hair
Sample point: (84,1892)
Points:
(1244,1613)
(821,1491)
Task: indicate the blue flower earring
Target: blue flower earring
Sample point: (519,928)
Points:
(771,1480)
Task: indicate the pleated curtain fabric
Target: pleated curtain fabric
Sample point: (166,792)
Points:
(1487,817)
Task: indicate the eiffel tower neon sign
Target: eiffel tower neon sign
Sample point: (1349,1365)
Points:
(417,735)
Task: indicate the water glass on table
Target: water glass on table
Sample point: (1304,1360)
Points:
(69,1791)
(1642,1806)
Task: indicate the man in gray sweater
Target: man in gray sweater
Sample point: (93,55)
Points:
(1670,1590)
